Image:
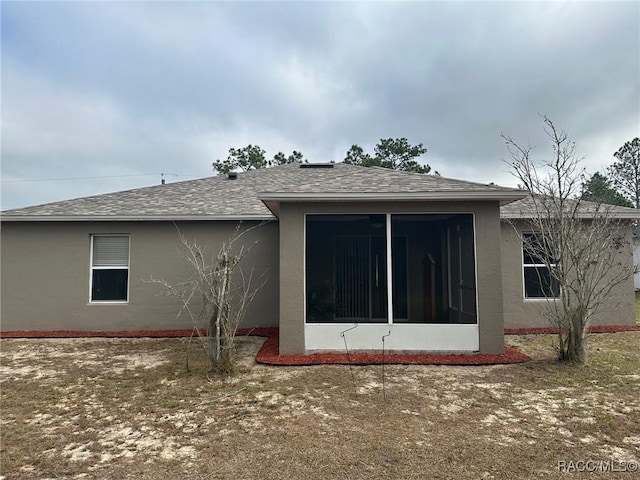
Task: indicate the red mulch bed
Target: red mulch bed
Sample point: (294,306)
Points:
(85,334)
(269,353)
(264,332)
(595,329)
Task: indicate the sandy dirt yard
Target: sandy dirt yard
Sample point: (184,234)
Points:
(127,408)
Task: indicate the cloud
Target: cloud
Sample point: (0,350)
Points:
(95,89)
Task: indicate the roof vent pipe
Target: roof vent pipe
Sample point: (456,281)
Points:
(233,175)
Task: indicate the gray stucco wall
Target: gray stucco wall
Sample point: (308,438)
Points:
(45,274)
(521,313)
(489,270)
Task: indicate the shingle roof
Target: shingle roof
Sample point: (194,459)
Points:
(344,178)
(219,196)
(524,208)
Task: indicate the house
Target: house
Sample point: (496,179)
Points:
(423,259)
(524,278)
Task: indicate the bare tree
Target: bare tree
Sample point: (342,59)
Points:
(216,297)
(581,244)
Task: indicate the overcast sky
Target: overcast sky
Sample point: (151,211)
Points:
(127,91)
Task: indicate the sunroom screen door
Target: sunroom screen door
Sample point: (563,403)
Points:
(361,278)
(462,288)
(352,277)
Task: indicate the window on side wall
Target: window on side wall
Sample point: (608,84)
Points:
(109,268)
(538,282)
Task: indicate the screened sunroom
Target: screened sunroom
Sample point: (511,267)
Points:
(407,274)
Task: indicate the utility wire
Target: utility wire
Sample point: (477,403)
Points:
(96,177)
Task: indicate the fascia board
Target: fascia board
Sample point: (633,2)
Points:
(620,215)
(407,196)
(131,218)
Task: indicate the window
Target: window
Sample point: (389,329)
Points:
(109,268)
(538,282)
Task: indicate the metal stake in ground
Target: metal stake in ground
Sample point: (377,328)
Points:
(384,386)
(353,377)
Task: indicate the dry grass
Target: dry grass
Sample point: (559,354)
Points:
(126,408)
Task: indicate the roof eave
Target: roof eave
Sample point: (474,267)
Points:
(614,215)
(132,218)
(273,199)
(382,196)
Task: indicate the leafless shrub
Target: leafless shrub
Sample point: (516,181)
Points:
(216,297)
(580,243)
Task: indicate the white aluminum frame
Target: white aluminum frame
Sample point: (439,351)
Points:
(524,278)
(92,268)
(435,337)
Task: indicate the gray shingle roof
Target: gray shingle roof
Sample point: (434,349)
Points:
(345,178)
(220,197)
(524,209)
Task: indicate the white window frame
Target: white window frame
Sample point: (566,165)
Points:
(534,265)
(92,268)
